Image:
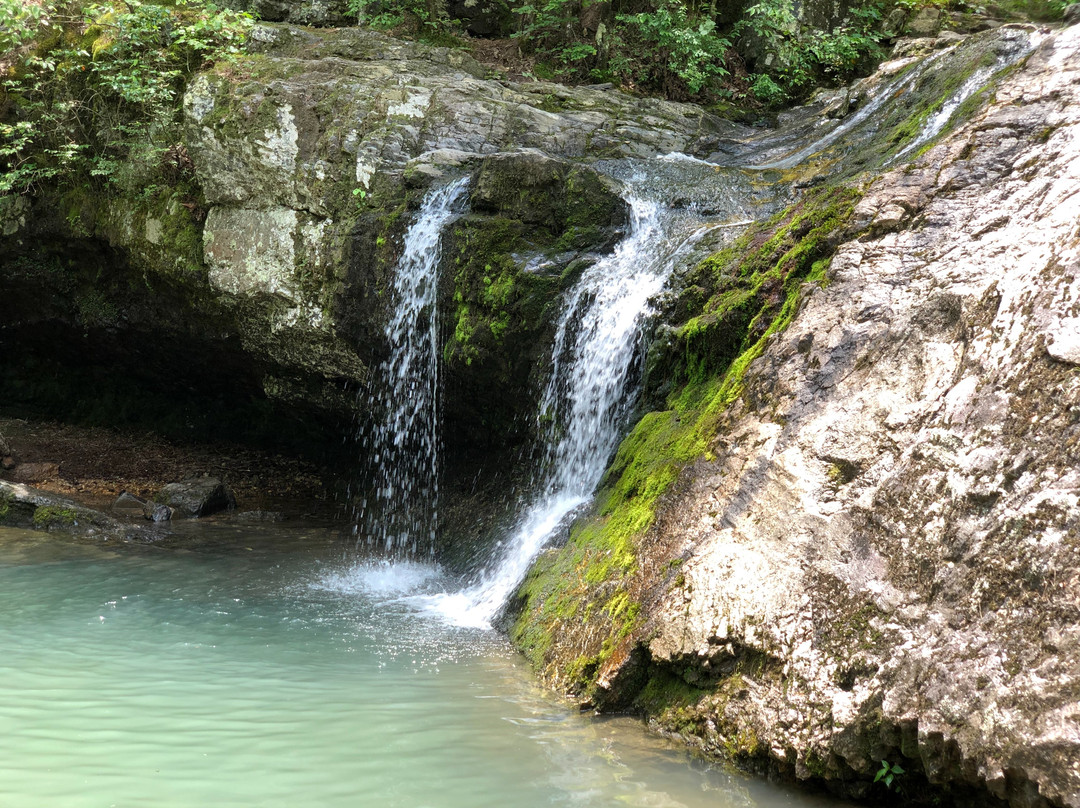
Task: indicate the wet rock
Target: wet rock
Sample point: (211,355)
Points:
(546,192)
(129,505)
(201,496)
(133,507)
(156,512)
(26,507)
(878,558)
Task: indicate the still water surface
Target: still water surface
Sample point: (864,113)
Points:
(234,669)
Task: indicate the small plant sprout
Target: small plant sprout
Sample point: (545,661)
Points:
(887,773)
(360,194)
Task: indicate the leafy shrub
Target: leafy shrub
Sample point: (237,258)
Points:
(684,46)
(93,89)
(802,56)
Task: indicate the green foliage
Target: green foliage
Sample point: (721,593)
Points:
(425,17)
(1038,10)
(888,773)
(94,89)
(801,56)
(686,45)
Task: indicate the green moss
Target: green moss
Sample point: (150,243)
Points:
(5,506)
(745,294)
(95,309)
(46,516)
(666,691)
(494,295)
(935,90)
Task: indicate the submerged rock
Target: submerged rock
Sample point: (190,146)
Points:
(131,506)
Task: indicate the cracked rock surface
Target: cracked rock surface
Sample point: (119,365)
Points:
(890,525)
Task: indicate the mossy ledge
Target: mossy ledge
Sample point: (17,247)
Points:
(577,616)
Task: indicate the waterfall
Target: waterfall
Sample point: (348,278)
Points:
(585,404)
(403,441)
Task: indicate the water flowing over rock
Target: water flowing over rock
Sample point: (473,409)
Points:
(876,558)
(587,399)
(846,532)
(404,443)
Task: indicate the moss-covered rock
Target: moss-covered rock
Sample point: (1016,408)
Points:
(536,223)
(578,615)
(571,203)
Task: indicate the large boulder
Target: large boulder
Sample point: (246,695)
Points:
(872,554)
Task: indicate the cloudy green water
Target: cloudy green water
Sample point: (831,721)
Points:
(227,669)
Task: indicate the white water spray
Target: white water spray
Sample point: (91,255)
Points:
(586,402)
(403,442)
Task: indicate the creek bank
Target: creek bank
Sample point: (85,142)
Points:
(871,550)
(94,466)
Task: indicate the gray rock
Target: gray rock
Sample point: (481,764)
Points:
(129,505)
(879,557)
(890,601)
(546,192)
(947,39)
(156,512)
(926,22)
(893,24)
(26,507)
(200,496)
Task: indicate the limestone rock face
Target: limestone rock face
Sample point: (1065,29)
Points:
(312,152)
(890,525)
(309,155)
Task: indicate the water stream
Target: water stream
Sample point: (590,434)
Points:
(587,400)
(246,669)
(403,442)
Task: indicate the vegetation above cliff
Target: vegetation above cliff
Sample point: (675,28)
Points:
(90,91)
(767,52)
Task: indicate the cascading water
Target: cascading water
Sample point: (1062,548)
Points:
(403,441)
(586,401)
(937,122)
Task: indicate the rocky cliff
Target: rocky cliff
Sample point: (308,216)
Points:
(845,532)
(268,242)
(870,549)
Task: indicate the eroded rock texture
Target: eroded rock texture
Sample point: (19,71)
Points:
(879,556)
